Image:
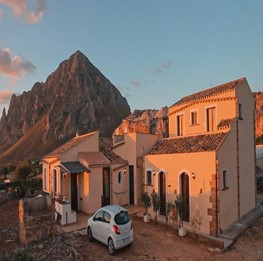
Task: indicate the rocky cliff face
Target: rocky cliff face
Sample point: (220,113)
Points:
(259,114)
(145,121)
(75,98)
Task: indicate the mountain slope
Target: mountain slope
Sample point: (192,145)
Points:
(145,121)
(259,116)
(76,97)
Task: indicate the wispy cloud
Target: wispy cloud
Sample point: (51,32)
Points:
(14,66)
(20,8)
(35,15)
(164,65)
(5,96)
(136,83)
(157,71)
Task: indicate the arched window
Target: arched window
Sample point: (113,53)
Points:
(162,192)
(184,190)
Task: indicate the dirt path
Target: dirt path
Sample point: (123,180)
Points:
(151,242)
(160,242)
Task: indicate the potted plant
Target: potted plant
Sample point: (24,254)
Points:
(180,210)
(146,200)
(156,203)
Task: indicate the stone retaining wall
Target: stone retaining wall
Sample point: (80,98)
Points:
(36,219)
(5,196)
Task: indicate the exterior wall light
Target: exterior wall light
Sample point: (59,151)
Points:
(125,171)
(193,175)
(154,173)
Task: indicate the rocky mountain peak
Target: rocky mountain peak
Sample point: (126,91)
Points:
(3,118)
(76,97)
(145,121)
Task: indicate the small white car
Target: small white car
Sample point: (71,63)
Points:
(112,226)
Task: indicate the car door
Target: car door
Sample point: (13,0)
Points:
(106,227)
(97,225)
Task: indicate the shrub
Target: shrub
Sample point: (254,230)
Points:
(260,184)
(146,200)
(21,255)
(156,202)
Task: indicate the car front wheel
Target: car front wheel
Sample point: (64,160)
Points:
(90,236)
(111,247)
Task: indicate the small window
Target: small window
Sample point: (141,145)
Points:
(193,117)
(107,217)
(224,185)
(149,177)
(119,177)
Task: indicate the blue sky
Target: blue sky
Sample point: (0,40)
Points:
(155,52)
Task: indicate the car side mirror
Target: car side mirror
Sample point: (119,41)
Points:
(94,219)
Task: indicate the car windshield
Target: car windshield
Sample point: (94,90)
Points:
(122,218)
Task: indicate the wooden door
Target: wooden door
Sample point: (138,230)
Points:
(162,190)
(180,125)
(106,187)
(185,196)
(74,192)
(210,119)
(131,184)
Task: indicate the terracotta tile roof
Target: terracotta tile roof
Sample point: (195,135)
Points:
(66,146)
(225,123)
(210,92)
(73,167)
(94,158)
(106,147)
(200,143)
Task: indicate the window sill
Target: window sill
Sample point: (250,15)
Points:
(226,188)
(194,124)
(240,118)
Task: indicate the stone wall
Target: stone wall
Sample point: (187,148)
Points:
(5,196)
(36,219)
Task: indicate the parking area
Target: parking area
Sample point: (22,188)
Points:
(151,242)
(161,242)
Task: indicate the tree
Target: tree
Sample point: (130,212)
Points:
(23,178)
(155,202)
(179,206)
(146,200)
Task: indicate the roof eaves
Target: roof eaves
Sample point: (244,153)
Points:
(192,96)
(56,158)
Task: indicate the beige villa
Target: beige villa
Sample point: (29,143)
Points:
(81,172)
(209,158)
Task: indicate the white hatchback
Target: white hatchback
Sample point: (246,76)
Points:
(112,226)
